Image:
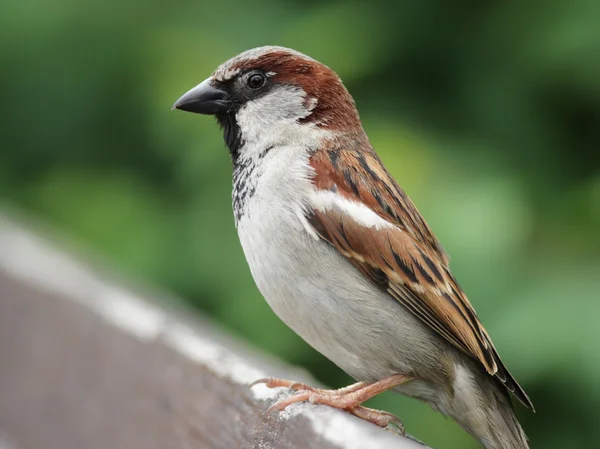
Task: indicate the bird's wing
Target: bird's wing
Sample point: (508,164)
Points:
(369,220)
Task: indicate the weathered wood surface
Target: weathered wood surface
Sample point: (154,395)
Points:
(87,363)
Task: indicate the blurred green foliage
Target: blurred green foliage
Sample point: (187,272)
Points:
(488,113)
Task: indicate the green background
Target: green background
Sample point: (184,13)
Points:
(487,114)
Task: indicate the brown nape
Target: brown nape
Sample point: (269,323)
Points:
(334,108)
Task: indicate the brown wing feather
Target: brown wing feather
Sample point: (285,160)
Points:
(405,260)
(361,175)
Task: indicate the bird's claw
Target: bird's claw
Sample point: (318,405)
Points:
(274,382)
(343,399)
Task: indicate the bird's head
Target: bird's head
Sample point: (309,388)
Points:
(268,96)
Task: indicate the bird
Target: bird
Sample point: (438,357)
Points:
(342,255)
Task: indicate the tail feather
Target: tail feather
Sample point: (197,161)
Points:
(482,405)
(513,386)
(504,430)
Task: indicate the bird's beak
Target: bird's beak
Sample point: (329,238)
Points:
(203,99)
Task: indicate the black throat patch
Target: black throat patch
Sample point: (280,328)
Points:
(243,169)
(231,133)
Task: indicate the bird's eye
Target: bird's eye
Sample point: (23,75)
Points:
(256,81)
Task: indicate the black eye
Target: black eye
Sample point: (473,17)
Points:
(256,81)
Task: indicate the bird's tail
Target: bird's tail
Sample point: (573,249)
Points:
(504,430)
(482,405)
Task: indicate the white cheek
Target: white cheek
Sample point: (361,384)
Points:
(273,119)
(283,104)
(325,200)
(273,122)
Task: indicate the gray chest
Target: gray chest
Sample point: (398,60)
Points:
(309,285)
(300,277)
(320,295)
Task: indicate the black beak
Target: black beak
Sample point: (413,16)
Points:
(203,99)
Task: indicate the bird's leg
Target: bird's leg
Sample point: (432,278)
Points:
(274,382)
(348,398)
(366,392)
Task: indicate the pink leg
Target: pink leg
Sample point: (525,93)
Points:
(274,382)
(354,398)
(348,398)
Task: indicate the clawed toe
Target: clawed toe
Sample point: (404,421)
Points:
(348,399)
(378,417)
(303,390)
(280,406)
(274,382)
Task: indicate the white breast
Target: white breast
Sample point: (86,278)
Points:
(313,289)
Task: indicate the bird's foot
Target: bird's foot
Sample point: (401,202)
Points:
(348,399)
(379,418)
(274,382)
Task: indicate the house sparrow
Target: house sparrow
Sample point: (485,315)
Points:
(342,255)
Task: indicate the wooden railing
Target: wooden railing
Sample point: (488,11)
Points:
(86,362)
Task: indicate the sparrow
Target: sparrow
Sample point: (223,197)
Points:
(343,256)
